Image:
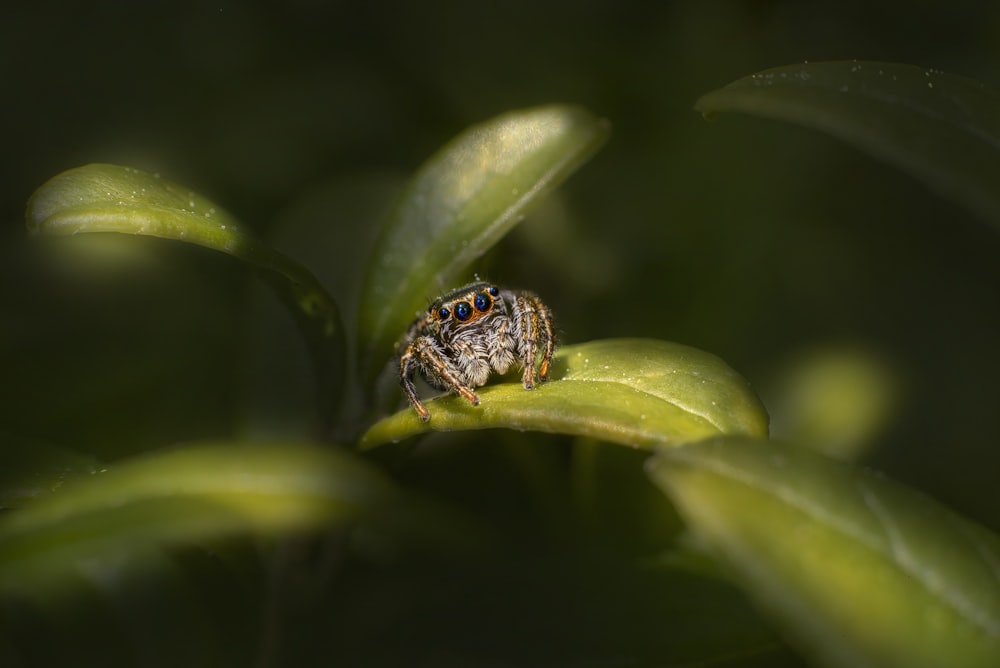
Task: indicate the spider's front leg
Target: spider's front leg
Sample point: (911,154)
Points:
(423,355)
(534,325)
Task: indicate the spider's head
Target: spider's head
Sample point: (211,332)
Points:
(466,306)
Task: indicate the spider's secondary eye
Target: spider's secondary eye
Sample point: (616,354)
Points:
(494,291)
(482,302)
(463,311)
(443,314)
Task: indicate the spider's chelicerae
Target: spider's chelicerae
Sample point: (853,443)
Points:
(471,332)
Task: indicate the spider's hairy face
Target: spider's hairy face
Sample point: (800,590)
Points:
(472,332)
(470,313)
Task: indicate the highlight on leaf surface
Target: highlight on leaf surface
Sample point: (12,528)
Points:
(183,495)
(860,571)
(115,198)
(941,128)
(458,205)
(635,392)
(106,198)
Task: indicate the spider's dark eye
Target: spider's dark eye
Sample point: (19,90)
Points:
(443,314)
(494,291)
(463,311)
(482,302)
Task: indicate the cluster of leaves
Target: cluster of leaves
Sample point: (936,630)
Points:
(849,568)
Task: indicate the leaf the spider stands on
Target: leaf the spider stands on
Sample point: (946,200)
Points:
(182,495)
(859,570)
(942,129)
(459,204)
(113,198)
(634,392)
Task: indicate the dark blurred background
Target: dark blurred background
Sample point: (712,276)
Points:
(750,239)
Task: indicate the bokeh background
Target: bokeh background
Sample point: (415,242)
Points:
(754,240)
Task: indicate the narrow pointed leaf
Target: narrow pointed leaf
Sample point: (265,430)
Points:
(858,570)
(635,392)
(942,129)
(112,198)
(180,496)
(460,203)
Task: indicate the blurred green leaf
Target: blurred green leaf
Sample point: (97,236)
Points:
(113,198)
(636,392)
(861,571)
(941,128)
(460,203)
(29,470)
(179,496)
(835,400)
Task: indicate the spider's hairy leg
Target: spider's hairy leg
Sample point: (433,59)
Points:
(424,355)
(549,336)
(407,365)
(527,320)
(413,331)
(534,321)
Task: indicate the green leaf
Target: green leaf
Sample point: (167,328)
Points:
(635,392)
(836,400)
(182,495)
(942,129)
(112,198)
(859,570)
(30,470)
(460,203)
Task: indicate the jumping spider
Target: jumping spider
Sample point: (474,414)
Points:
(471,332)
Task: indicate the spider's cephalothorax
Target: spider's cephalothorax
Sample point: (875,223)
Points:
(468,334)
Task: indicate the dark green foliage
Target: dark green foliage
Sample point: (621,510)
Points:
(199,467)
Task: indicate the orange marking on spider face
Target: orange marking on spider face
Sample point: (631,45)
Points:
(468,303)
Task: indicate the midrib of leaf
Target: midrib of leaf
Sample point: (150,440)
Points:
(967,610)
(900,554)
(657,396)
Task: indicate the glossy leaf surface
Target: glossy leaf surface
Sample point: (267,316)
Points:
(460,203)
(860,570)
(636,392)
(941,128)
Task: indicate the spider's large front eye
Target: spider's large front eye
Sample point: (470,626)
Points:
(443,314)
(482,302)
(463,311)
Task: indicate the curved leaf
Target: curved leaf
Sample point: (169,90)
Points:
(112,198)
(861,571)
(182,495)
(636,392)
(460,203)
(942,129)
